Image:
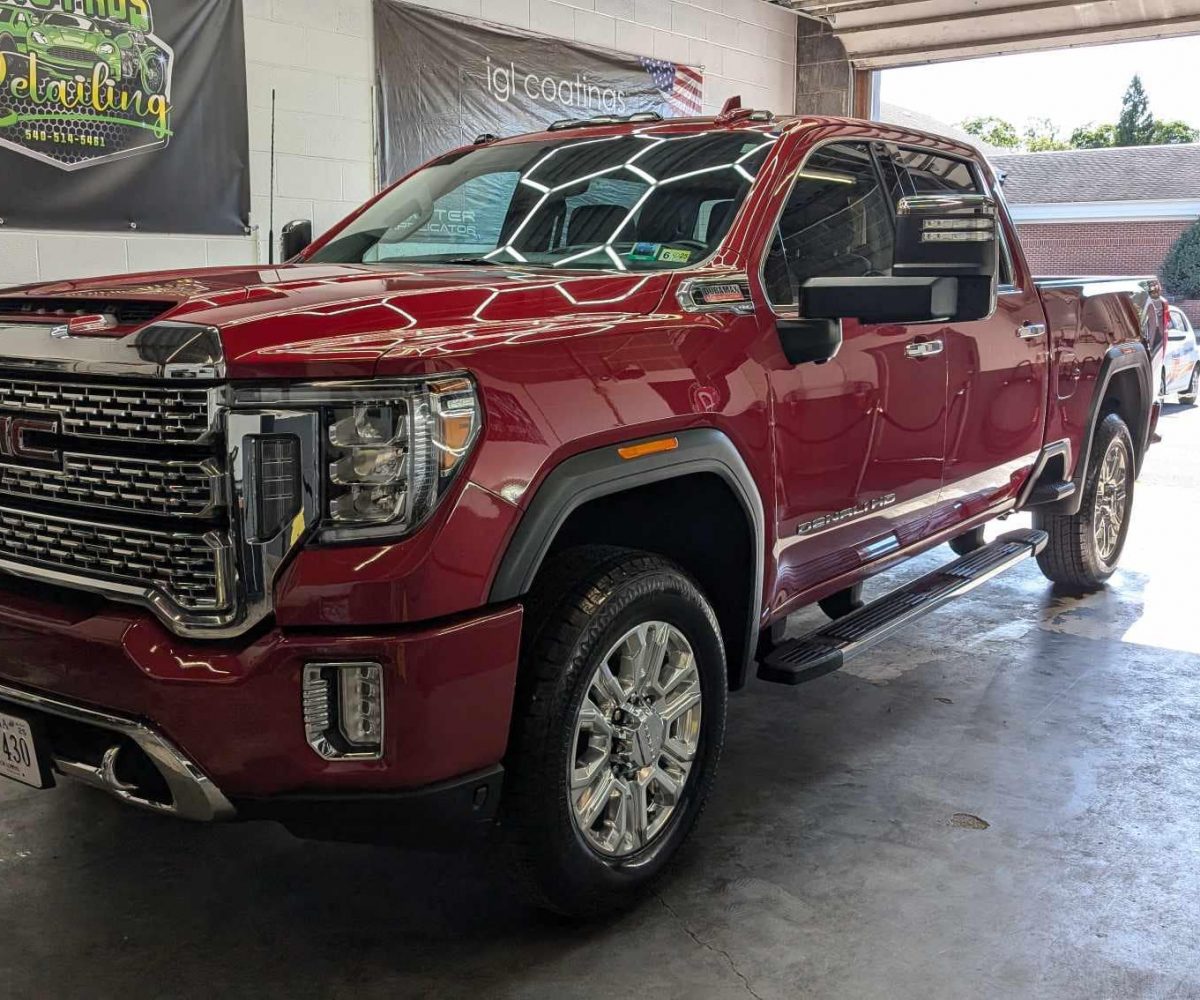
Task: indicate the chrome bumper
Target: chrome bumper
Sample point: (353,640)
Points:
(193,795)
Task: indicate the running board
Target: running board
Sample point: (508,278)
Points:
(825,650)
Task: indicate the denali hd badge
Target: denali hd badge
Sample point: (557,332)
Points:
(848,514)
(23,443)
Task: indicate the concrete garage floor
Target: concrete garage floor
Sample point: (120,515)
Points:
(830,863)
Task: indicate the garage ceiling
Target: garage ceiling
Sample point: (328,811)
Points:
(882,33)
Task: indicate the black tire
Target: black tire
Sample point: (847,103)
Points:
(968,543)
(1188,396)
(842,603)
(1072,557)
(581,605)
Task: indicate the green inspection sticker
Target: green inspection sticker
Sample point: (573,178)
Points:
(645,251)
(674,256)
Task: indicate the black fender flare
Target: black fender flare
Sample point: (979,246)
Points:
(603,472)
(1119,358)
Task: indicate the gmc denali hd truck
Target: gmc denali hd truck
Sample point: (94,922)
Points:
(469,517)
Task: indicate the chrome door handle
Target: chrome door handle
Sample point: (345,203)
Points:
(923,348)
(1031,331)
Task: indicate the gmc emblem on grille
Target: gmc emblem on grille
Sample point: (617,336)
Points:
(23,443)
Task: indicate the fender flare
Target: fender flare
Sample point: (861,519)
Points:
(1119,358)
(603,472)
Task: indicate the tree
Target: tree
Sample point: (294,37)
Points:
(992,130)
(1041,136)
(1170,133)
(1092,136)
(1135,127)
(1181,269)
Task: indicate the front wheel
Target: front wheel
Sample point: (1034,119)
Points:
(1084,547)
(619,722)
(1188,396)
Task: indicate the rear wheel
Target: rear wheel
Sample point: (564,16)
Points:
(1084,547)
(1188,396)
(619,722)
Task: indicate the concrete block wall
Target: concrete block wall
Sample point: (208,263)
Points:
(322,67)
(823,72)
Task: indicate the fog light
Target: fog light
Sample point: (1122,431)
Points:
(273,484)
(343,710)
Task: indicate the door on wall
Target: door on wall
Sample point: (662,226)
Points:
(859,439)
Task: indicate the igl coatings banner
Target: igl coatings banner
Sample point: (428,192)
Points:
(120,114)
(445,80)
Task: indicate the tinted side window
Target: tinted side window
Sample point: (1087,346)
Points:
(929,173)
(837,222)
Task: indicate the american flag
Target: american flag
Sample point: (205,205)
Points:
(680,85)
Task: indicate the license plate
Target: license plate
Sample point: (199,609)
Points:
(18,752)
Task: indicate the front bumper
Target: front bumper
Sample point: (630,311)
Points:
(222,723)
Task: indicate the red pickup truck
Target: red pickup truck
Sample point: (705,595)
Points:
(468,518)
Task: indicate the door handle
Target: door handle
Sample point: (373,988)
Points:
(1031,331)
(923,348)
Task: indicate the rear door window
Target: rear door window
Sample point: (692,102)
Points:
(931,173)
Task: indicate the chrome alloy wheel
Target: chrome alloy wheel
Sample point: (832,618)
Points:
(636,735)
(1108,517)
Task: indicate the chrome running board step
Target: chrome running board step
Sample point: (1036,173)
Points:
(825,650)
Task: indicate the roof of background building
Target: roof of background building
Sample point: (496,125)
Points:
(894,114)
(1124,173)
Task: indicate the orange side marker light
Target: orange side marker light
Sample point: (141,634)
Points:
(648,447)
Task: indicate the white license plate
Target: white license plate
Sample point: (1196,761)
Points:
(18,753)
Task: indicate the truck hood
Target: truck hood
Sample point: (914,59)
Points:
(344,321)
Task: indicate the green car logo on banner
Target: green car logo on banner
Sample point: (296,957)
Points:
(82,81)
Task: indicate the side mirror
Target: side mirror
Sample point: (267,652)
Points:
(293,238)
(951,236)
(880,299)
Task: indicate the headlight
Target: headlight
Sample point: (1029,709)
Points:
(389,449)
(38,37)
(106,49)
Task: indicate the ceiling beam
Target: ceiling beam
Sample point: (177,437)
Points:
(968,15)
(827,8)
(918,53)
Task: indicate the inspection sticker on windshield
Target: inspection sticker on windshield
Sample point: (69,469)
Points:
(674,255)
(645,251)
(18,755)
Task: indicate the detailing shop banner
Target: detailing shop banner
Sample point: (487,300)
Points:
(123,114)
(445,80)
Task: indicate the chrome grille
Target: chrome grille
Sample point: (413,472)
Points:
(189,569)
(156,414)
(133,485)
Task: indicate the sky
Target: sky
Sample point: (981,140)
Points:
(1070,86)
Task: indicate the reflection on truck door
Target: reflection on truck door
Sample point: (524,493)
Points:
(859,440)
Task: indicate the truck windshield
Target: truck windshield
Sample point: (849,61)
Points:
(636,201)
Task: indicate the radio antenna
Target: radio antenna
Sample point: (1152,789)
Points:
(271,205)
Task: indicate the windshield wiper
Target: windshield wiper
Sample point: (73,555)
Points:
(475,261)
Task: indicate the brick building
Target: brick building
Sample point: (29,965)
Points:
(1103,211)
